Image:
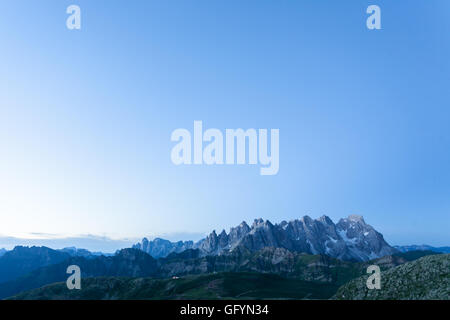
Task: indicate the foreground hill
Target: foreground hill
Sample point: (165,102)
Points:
(211,286)
(426,278)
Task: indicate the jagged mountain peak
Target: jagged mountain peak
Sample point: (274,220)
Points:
(257,222)
(260,223)
(243,225)
(325,219)
(306,219)
(356,218)
(350,239)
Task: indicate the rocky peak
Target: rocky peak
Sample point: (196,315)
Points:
(223,234)
(243,228)
(284,224)
(350,239)
(307,220)
(237,233)
(161,248)
(326,220)
(244,225)
(257,223)
(356,218)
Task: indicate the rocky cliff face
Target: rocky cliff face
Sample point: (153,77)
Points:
(350,239)
(267,260)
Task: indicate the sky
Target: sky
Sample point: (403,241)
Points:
(86,115)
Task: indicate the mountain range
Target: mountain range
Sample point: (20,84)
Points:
(136,263)
(350,239)
(133,274)
(22,260)
(77,252)
(303,258)
(422,247)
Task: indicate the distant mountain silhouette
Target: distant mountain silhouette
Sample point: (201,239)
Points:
(422,247)
(22,260)
(127,263)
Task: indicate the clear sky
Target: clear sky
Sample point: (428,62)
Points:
(86,116)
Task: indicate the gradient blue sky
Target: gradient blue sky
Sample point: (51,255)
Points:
(86,116)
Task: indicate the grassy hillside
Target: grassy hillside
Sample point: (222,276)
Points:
(211,286)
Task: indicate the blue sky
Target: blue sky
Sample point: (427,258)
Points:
(86,116)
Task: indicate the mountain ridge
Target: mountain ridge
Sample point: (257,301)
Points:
(273,272)
(423,247)
(22,260)
(135,263)
(350,239)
